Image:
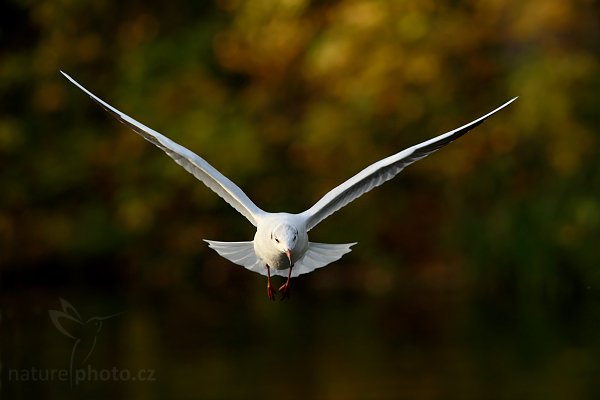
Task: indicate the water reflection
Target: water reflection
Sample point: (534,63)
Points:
(331,343)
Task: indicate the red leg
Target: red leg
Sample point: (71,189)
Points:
(285,288)
(270,290)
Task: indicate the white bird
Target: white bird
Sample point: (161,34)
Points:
(281,246)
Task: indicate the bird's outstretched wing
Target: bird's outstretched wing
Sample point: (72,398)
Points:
(382,171)
(193,163)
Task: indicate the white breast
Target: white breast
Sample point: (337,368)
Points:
(265,249)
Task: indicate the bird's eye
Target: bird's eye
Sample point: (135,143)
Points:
(295,236)
(277,240)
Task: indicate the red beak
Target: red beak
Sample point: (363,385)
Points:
(288,253)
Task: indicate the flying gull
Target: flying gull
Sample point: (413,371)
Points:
(281,246)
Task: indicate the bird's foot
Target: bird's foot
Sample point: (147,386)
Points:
(270,292)
(285,290)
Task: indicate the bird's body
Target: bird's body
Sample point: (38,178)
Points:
(281,246)
(291,232)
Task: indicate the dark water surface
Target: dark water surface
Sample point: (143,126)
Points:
(225,340)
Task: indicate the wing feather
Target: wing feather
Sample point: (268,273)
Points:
(190,161)
(382,171)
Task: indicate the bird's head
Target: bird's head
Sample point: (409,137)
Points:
(284,238)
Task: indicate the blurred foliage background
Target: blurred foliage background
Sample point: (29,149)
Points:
(476,273)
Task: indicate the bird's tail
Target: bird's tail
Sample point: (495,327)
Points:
(240,253)
(319,255)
